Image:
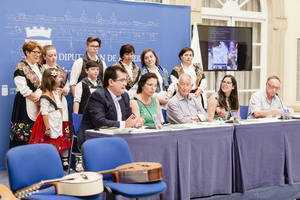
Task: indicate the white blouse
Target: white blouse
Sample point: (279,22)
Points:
(54,116)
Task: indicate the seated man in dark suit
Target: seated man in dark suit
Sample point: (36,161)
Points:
(109,106)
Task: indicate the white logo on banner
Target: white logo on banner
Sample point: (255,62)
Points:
(39,32)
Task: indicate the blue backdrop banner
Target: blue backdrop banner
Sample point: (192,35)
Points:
(67,24)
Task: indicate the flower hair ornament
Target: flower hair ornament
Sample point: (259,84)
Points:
(53,73)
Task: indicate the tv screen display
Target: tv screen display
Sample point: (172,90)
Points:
(225,48)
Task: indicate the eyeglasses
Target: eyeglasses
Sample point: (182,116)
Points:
(123,80)
(185,84)
(36,52)
(151,85)
(226,82)
(273,87)
(94,46)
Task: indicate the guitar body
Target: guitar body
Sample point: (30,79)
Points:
(80,184)
(6,194)
(77,184)
(139,172)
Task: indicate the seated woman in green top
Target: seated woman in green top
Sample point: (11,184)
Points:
(144,104)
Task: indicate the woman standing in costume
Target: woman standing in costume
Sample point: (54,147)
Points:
(27,77)
(133,71)
(150,63)
(49,60)
(199,82)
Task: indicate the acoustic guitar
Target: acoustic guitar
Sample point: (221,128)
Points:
(77,184)
(90,183)
(136,172)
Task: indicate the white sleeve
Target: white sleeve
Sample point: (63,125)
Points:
(76,70)
(122,124)
(104,66)
(173,85)
(132,91)
(45,104)
(59,103)
(254,103)
(21,84)
(78,92)
(67,87)
(203,85)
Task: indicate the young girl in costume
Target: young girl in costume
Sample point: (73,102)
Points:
(48,125)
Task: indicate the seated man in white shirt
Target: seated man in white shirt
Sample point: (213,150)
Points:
(183,107)
(266,103)
(93,45)
(86,86)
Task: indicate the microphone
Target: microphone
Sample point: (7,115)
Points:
(285,111)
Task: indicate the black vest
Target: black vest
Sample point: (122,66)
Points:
(86,85)
(83,74)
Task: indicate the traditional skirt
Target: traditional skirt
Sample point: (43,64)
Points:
(21,124)
(38,135)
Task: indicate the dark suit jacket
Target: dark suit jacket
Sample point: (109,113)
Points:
(100,111)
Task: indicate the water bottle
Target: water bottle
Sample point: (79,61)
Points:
(286,114)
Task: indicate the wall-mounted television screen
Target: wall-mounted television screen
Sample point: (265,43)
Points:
(225,48)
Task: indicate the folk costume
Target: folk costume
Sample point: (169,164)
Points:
(67,139)
(50,108)
(133,75)
(27,78)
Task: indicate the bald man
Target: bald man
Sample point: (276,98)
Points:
(183,107)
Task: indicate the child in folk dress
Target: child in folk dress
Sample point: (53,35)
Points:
(48,125)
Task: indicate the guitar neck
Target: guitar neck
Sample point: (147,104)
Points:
(110,171)
(24,191)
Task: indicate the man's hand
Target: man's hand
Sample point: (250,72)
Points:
(277,112)
(131,121)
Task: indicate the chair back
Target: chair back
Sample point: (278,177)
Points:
(244,112)
(76,122)
(29,164)
(105,153)
(164,114)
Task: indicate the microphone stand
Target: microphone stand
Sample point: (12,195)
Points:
(285,115)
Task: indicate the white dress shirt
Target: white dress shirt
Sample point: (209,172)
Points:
(78,90)
(118,108)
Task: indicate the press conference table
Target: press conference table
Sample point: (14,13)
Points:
(266,154)
(220,159)
(196,162)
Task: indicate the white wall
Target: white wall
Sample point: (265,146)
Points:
(290,53)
